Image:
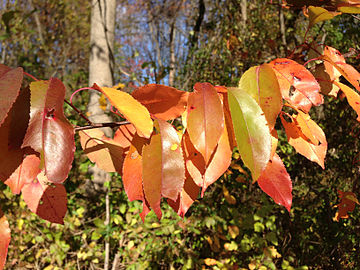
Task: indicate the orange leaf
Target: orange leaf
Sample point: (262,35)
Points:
(47,200)
(276,182)
(274,142)
(162,101)
(347,204)
(205,119)
(130,108)
(336,57)
(124,135)
(346,70)
(302,120)
(306,88)
(352,97)
(105,152)
(25,173)
(5,236)
(132,170)
(151,173)
(315,153)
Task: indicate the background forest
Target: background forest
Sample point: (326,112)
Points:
(235,225)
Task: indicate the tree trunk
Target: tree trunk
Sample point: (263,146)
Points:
(101,72)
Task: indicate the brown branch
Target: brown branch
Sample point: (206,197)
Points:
(102,125)
(80,113)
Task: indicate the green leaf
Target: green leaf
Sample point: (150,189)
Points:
(251,131)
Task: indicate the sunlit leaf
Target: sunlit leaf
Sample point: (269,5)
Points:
(10,83)
(49,132)
(47,200)
(205,119)
(315,153)
(151,173)
(348,6)
(303,122)
(162,101)
(262,85)
(124,135)
(346,70)
(130,108)
(319,14)
(251,131)
(105,152)
(297,84)
(5,236)
(336,57)
(276,182)
(352,97)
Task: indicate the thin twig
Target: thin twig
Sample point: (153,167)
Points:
(80,113)
(101,125)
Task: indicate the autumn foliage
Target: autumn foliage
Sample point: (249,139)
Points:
(172,144)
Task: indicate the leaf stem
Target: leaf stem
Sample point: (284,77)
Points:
(101,125)
(80,113)
(31,76)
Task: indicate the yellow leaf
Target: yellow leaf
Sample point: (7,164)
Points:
(102,102)
(210,262)
(131,109)
(319,14)
(234,231)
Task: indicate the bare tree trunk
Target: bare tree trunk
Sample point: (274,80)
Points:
(172,55)
(243,6)
(101,72)
(282,28)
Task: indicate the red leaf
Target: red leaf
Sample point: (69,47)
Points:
(12,132)
(24,174)
(10,83)
(49,132)
(306,89)
(205,119)
(46,199)
(5,236)
(276,182)
(163,102)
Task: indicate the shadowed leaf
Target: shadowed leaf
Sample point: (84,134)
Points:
(47,200)
(10,83)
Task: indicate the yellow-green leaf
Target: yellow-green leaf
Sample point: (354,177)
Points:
(251,131)
(319,14)
(262,85)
